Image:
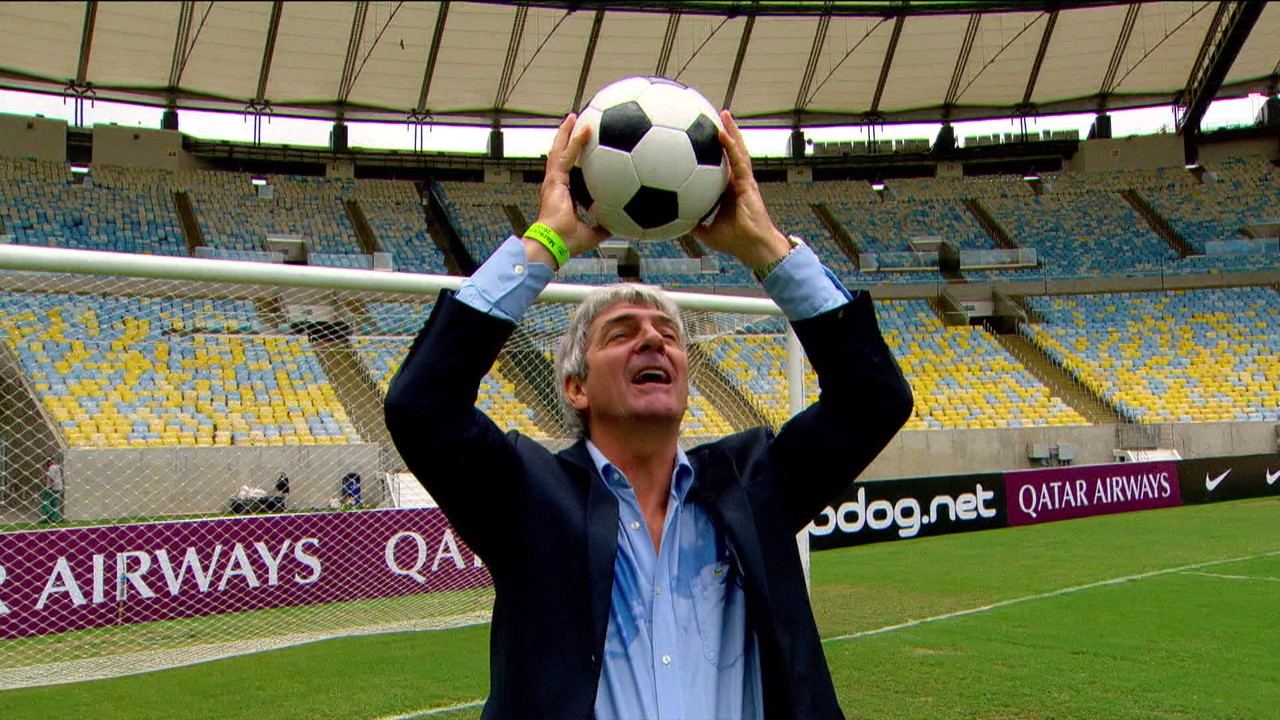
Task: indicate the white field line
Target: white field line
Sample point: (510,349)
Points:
(1043,596)
(1233,577)
(436,711)
(948,616)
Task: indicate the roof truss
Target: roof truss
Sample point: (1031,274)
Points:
(1230,28)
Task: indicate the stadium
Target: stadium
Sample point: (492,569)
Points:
(199,332)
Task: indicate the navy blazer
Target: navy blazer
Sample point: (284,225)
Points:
(547,526)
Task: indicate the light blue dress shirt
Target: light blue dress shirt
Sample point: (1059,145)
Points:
(677,645)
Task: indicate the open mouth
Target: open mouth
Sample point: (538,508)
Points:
(651,376)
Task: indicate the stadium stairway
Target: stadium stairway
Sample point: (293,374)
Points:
(190,226)
(358,395)
(988,223)
(446,237)
(1058,381)
(843,239)
(31,438)
(1159,224)
(537,388)
(364,234)
(727,397)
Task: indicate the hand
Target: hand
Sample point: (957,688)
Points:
(556,209)
(742,226)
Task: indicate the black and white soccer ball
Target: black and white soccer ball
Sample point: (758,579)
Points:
(653,167)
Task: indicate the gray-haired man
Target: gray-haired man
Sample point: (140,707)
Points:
(633,579)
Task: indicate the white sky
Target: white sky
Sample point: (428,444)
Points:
(522,142)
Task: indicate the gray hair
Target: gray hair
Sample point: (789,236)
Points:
(571,360)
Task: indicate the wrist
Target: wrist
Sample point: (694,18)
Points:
(553,246)
(777,250)
(536,252)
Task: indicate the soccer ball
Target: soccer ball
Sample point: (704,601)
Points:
(653,167)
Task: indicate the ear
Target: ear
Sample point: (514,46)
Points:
(576,393)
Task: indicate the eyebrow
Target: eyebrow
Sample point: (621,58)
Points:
(659,318)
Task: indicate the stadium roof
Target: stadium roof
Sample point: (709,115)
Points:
(775,63)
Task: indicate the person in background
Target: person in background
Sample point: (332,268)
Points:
(51,495)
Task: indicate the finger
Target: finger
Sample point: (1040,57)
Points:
(735,147)
(577,141)
(555,157)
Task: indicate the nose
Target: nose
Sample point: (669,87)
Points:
(650,338)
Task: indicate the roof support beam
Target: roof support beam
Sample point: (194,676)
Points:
(962,61)
(1035,66)
(433,54)
(86,40)
(737,61)
(181,48)
(888,63)
(587,58)
(1227,33)
(268,51)
(811,66)
(668,43)
(1117,55)
(349,68)
(509,64)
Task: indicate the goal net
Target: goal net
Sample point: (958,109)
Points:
(193,460)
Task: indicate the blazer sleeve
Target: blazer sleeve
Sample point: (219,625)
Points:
(460,456)
(863,401)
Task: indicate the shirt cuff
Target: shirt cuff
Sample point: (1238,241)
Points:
(803,287)
(507,283)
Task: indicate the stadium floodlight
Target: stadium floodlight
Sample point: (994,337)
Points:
(79,169)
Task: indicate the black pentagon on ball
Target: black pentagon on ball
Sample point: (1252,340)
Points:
(705,138)
(578,188)
(622,126)
(651,207)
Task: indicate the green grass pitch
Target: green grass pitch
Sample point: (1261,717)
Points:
(1162,614)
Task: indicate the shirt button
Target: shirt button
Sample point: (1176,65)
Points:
(635,525)
(518,269)
(657,591)
(666,659)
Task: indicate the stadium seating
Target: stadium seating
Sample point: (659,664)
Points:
(393,210)
(151,372)
(113,209)
(1083,234)
(232,213)
(1190,356)
(961,377)
(380,357)
(476,211)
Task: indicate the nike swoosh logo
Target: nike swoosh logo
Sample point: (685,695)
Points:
(1213,484)
(1272,476)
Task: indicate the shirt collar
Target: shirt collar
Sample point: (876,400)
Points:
(681,477)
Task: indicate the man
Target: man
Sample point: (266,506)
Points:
(633,580)
(51,505)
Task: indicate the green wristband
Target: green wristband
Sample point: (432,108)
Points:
(551,240)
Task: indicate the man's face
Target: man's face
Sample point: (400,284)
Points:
(636,369)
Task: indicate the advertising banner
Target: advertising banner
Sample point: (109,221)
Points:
(900,509)
(1229,478)
(1067,493)
(56,580)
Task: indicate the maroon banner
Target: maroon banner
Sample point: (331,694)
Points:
(56,580)
(1066,493)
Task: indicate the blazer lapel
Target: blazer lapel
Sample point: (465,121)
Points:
(602,538)
(718,485)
